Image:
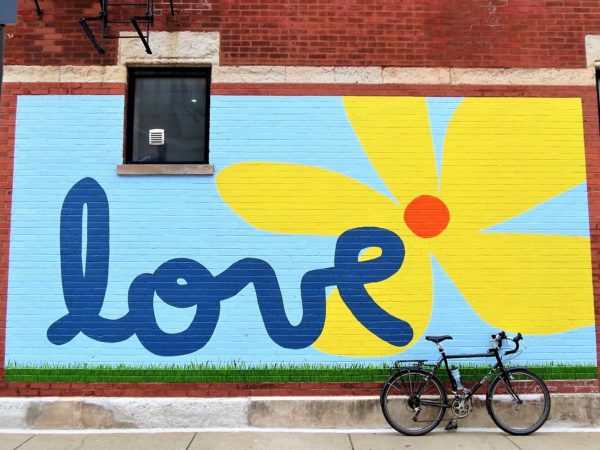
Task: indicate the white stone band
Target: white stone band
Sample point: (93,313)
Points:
(320,75)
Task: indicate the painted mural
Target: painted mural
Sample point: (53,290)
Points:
(336,230)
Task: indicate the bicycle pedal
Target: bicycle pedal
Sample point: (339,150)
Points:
(452,426)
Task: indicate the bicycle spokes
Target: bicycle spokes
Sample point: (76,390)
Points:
(519,401)
(412,402)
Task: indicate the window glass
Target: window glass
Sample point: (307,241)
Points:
(175,108)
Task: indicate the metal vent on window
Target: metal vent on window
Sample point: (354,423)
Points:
(156,136)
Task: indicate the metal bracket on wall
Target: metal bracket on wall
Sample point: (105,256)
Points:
(136,20)
(38,10)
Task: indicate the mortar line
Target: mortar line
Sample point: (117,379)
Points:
(193,438)
(513,442)
(24,442)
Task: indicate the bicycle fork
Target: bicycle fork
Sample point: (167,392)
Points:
(511,391)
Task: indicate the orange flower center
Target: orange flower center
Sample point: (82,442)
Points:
(427,216)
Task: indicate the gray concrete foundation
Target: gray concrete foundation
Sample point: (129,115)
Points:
(76,413)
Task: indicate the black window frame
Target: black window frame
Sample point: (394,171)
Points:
(133,73)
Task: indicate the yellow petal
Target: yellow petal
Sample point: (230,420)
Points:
(503,156)
(395,134)
(407,295)
(290,198)
(529,283)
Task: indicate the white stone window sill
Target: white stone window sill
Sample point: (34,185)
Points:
(165,169)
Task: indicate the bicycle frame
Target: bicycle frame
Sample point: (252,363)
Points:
(414,401)
(444,358)
(492,353)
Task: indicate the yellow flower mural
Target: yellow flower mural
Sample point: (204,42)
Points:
(502,156)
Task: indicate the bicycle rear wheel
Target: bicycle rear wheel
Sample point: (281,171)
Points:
(518,401)
(413,401)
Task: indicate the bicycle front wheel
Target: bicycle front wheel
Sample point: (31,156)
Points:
(518,401)
(413,401)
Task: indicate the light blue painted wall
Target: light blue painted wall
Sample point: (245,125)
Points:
(62,139)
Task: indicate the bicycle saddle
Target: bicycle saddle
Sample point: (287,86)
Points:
(438,339)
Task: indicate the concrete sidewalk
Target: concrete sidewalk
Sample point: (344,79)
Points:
(260,440)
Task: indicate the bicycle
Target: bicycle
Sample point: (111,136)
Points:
(414,401)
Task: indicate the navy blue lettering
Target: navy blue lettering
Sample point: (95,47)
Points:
(184,283)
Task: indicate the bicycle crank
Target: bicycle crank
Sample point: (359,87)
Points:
(461,407)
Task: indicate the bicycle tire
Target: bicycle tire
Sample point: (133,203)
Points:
(512,416)
(406,391)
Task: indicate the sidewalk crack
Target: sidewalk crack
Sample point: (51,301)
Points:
(25,442)
(82,443)
(513,442)
(193,437)
(351,443)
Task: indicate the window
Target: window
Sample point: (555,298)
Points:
(167,116)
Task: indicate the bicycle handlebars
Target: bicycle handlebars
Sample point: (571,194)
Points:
(498,338)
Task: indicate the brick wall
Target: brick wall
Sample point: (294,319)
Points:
(57,38)
(231,389)
(410,34)
(249,122)
(197,248)
(433,33)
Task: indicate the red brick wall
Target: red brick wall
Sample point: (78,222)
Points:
(58,39)
(230,389)
(416,33)
(8,106)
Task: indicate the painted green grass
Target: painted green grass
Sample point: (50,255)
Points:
(242,373)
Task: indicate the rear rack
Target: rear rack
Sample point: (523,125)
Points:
(411,364)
